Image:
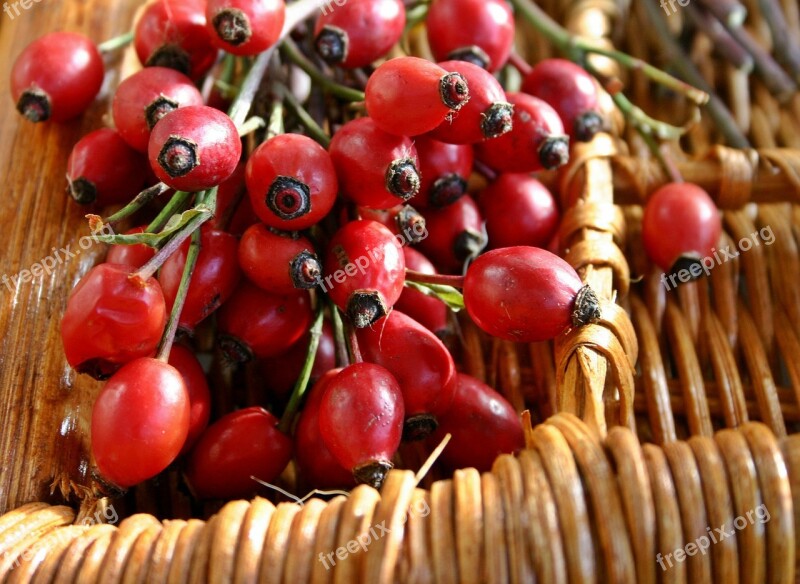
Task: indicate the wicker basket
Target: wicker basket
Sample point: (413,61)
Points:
(651,433)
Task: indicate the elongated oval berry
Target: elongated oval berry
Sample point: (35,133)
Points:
(487,114)
(356,33)
(140,421)
(419,362)
(314,461)
(255,323)
(194,378)
(361,420)
(147,96)
(536,141)
(364,271)
(478,31)
(445,169)
(245,27)
(240,445)
(375,169)
(56,77)
(103,169)
(278,262)
(111,318)
(519,210)
(408,96)
(526,294)
(483,426)
(426,310)
(291,181)
(455,234)
(571,91)
(194,148)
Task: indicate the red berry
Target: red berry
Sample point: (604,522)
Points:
(479,31)
(194,148)
(419,362)
(291,181)
(103,169)
(314,461)
(56,77)
(375,169)
(358,32)
(487,114)
(139,422)
(255,323)
(240,445)
(361,420)
(483,426)
(245,27)
(135,255)
(445,170)
(147,96)
(426,310)
(526,294)
(519,210)
(365,271)
(680,219)
(111,318)
(404,221)
(455,234)
(173,33)
(194,378)
(278,262)
(408,96)
(234,213)
(536,141)
(571,91)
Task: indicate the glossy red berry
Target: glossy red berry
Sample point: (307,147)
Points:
(536,141)
(426,310)
(278,262)
(356,33)
(483,426)
(140,421)
(408,96)
(103,169)
(240,445)
(56,77)
(147,96)
(173,33)
(571,91)
(111,318)
(194,148)
(519,210)
(364,271)
(361,420)
(245,27)
(487,114)
(479,31)
(455,234)
(419,362)
(314,461)
(194,378)
(680,219)
(526,294)
(135,255)
(445,170)
(375,169)
(291,181)
(215,277)
(255,323)
(234,213)
(404,221)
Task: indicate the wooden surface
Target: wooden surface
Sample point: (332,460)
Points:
(44,408)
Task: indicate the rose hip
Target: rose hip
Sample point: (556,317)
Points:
(455,234)
(426,310)
(278,262)
(245,27)
(445,170)
(404,221)
(135,255)
(194,378)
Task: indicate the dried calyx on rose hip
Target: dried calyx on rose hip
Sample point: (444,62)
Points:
(445,170)
(526,294)
(455,234)
(278,262)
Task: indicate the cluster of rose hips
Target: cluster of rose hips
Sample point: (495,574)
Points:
(318,221)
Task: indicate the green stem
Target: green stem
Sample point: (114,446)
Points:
(275,124)
(295,56)
(165,346)
(301,384)
(250,125)
(305,118)
(340,342)
(137,203)
(176,204)
(440,279)
(116,42)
